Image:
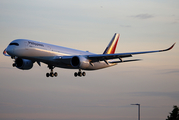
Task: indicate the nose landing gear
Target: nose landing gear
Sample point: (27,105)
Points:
(51,74)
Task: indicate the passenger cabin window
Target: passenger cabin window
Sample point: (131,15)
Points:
(16,44)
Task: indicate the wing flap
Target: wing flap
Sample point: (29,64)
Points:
(125,61)
(102,57)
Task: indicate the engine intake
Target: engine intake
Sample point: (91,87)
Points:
(23,64)
(75,61)
(79,62)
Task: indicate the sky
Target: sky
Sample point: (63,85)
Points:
(104,94)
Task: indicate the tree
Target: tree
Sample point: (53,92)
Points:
(174,115)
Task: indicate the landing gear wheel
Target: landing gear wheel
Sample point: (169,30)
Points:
(55,74)
(75,74)
(14,64)
(51,74)
(79,74)
(83,73)
(47,75)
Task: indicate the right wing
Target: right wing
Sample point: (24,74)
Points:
(104,57)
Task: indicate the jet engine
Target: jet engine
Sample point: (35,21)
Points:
(23,64)
(80,62)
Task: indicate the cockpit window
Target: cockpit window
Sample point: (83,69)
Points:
(14,44)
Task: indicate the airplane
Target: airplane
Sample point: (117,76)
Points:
(27,52)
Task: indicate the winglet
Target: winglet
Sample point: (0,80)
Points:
(110,49)
(169,47)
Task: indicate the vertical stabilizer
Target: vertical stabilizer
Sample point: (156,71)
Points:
(110,49)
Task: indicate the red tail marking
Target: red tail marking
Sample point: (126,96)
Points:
(114,47)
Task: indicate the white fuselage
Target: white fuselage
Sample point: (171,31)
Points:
(26,52)
(48,54)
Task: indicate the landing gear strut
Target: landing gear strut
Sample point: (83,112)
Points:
(51,74)
(80,74)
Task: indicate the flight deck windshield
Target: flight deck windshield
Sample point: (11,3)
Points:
(16,44)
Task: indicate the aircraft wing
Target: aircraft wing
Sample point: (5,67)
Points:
(103,57)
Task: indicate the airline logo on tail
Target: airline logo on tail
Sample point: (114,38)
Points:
(112,45)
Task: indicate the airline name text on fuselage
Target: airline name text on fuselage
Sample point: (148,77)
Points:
(36,44)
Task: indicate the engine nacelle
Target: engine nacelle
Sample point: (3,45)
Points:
(80,62)
(23,64)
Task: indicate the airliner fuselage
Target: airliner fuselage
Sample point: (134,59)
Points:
(26,52)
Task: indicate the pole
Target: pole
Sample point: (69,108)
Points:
(138,110)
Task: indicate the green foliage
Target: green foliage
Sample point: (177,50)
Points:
(174,115)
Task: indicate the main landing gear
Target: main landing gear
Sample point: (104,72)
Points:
(55,74)
(80,74)
(51,74)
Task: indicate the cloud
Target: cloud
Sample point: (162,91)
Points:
(172,95)
(126,26)
(170,71)
(143,16)
(176,21)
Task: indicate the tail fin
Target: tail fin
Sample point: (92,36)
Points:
(110,49)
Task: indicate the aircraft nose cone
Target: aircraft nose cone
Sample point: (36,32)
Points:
(7,50)
(10,50)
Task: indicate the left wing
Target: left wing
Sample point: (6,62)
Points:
(104,57)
